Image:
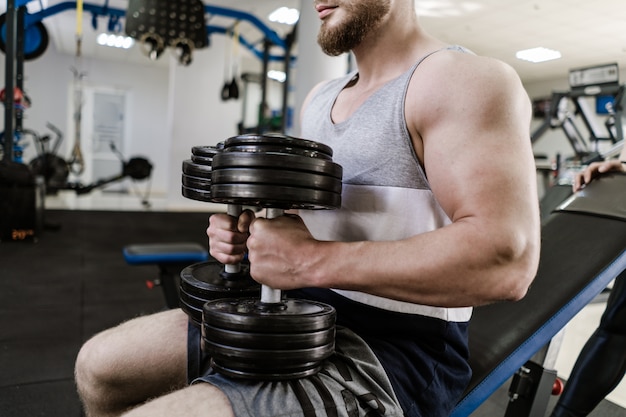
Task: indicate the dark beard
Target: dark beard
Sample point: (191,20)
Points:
(362,19)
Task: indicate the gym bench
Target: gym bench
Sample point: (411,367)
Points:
(583,250)
(171,258)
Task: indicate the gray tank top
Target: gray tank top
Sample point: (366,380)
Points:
(386,195)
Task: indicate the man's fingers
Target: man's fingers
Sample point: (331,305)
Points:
(244,221)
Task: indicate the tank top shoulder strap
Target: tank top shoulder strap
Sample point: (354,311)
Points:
(457,48)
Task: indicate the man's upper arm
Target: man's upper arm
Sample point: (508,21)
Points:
(477,150)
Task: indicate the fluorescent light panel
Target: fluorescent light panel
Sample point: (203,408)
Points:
(537,55)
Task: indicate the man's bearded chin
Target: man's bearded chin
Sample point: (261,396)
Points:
(335,41)
(347,35)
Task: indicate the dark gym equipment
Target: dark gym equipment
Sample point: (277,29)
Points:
(272,314)
(171,258)
(205,281)
(21,193)
(196,177)
(230,89)
(137,168)
(35,39)
(48,164)
(23,37)
(583,250)
(272,341)
(160,24)
(586,83)
(278,143)
(21,203)
(208,280)
(267,337)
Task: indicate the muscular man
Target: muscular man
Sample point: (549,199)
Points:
(439,213)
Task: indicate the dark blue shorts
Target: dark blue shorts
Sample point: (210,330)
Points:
(405,364)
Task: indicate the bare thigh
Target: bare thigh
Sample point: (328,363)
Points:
(140,358)
(199,400)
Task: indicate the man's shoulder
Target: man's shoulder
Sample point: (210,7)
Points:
(454,63)
(450,86)
(452,72)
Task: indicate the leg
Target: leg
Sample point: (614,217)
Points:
(602,362)
(122,367)
(199,400)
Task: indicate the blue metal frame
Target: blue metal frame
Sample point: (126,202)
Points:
(209,9)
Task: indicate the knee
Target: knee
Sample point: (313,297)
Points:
(86,360)
(94,368)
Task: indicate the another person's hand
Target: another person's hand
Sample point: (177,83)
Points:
(228,236)
(594,170)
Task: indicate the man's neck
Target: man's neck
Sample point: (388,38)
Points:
(384,57)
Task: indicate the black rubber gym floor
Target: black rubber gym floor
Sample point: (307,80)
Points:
(74,282)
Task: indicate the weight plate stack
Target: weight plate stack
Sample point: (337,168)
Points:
(278,143)
(281,338)
(274,171)
(208,280)
(247,338)
(196,177)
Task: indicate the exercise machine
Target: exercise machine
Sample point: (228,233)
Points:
(583,250)
(565,108)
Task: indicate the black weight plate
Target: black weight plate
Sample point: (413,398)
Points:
(196,170)
(276,161)
(278,149)
(276,177)
(206,279)
(201,160)
(206,151)
(237,370)
(268,359)
(193,312)
(196,299)
(262,195)
(197,183)
(276,139)
(268,340)
(195,194)
(249,314)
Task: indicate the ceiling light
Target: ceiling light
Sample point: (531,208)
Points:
(279,76)
(116,41)
(285,15)
(539,54)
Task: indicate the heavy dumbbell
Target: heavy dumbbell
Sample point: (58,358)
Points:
(271,337)
(208,280)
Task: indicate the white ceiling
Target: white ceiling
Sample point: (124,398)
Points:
(586,32)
